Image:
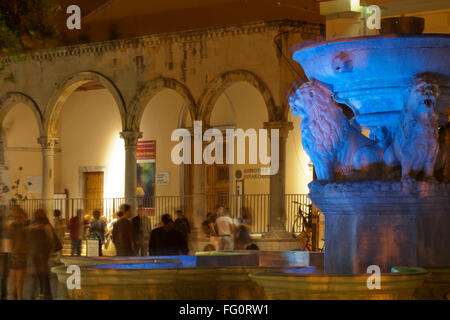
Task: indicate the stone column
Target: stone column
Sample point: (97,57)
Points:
(277,220)
(197,237)
(131,139)
(48,175)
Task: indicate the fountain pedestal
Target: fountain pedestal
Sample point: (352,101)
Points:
(383,223)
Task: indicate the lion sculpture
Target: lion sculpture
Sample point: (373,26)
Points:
(336,148)
(415,145)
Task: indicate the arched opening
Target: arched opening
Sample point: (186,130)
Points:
(21,152)
(240,106)
(87,122)
(160,181)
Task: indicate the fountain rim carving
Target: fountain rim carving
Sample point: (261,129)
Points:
(296,49)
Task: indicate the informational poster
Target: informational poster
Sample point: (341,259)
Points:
(34,184)
(4,185)
(162,178)
(146,158)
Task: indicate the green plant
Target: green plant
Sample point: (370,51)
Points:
(25,25)
(18,187)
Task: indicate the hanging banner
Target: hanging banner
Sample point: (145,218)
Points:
(146,158)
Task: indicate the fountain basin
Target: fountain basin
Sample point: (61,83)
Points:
(214,258)
(208,276)
(371,74)
(284,286)
(384,224)
(145,282)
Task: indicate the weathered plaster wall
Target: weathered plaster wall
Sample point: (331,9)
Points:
(22,150)
(198,65)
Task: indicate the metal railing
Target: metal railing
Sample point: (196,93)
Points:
(154,207)
(294,203)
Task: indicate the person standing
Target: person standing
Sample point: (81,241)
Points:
(138,231)
(243,238)
(165,240)
(60,228)
(40,239)
(123,234)
(74,229)
(4,255)
(18,255)
(225,229)
(97,230)
(182,225)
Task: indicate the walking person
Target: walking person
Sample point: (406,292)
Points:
(182,225)
(225,229)
(18,256)
(40,240)
(4,255)
(74,229)
(123,234)
(97,230)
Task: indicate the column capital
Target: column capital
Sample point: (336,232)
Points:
(47,142)
(131,138)
(283,126)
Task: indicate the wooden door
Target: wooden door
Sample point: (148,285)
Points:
(93,192)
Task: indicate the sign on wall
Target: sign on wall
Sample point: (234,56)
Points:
(34,184)
(146,158)
(162,178)
(4,185)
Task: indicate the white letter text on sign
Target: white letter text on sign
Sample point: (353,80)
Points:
(374,281)
(74,280)
(374,20)
(74,20)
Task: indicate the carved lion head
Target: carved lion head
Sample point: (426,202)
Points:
(311,95)
(422,95)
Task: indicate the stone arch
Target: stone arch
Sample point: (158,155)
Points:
(9,100)
(217,86)
(145,94)
(67,87)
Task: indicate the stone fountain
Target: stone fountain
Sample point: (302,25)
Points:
(386,196)
(383,176)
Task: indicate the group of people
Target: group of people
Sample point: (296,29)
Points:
(230,233)
(31,243)
(128,234)
(27,246)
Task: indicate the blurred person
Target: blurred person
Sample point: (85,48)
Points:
(165,240)
(209,247)
(86,224)
(225,229)
(182,225)
(40,239)
(60,227)
(18,256)
(243,230)
(123,234)
(74,229)
(110,228)
(209,225)
(97,230)
(139,231)
(252,246)
(4,255)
